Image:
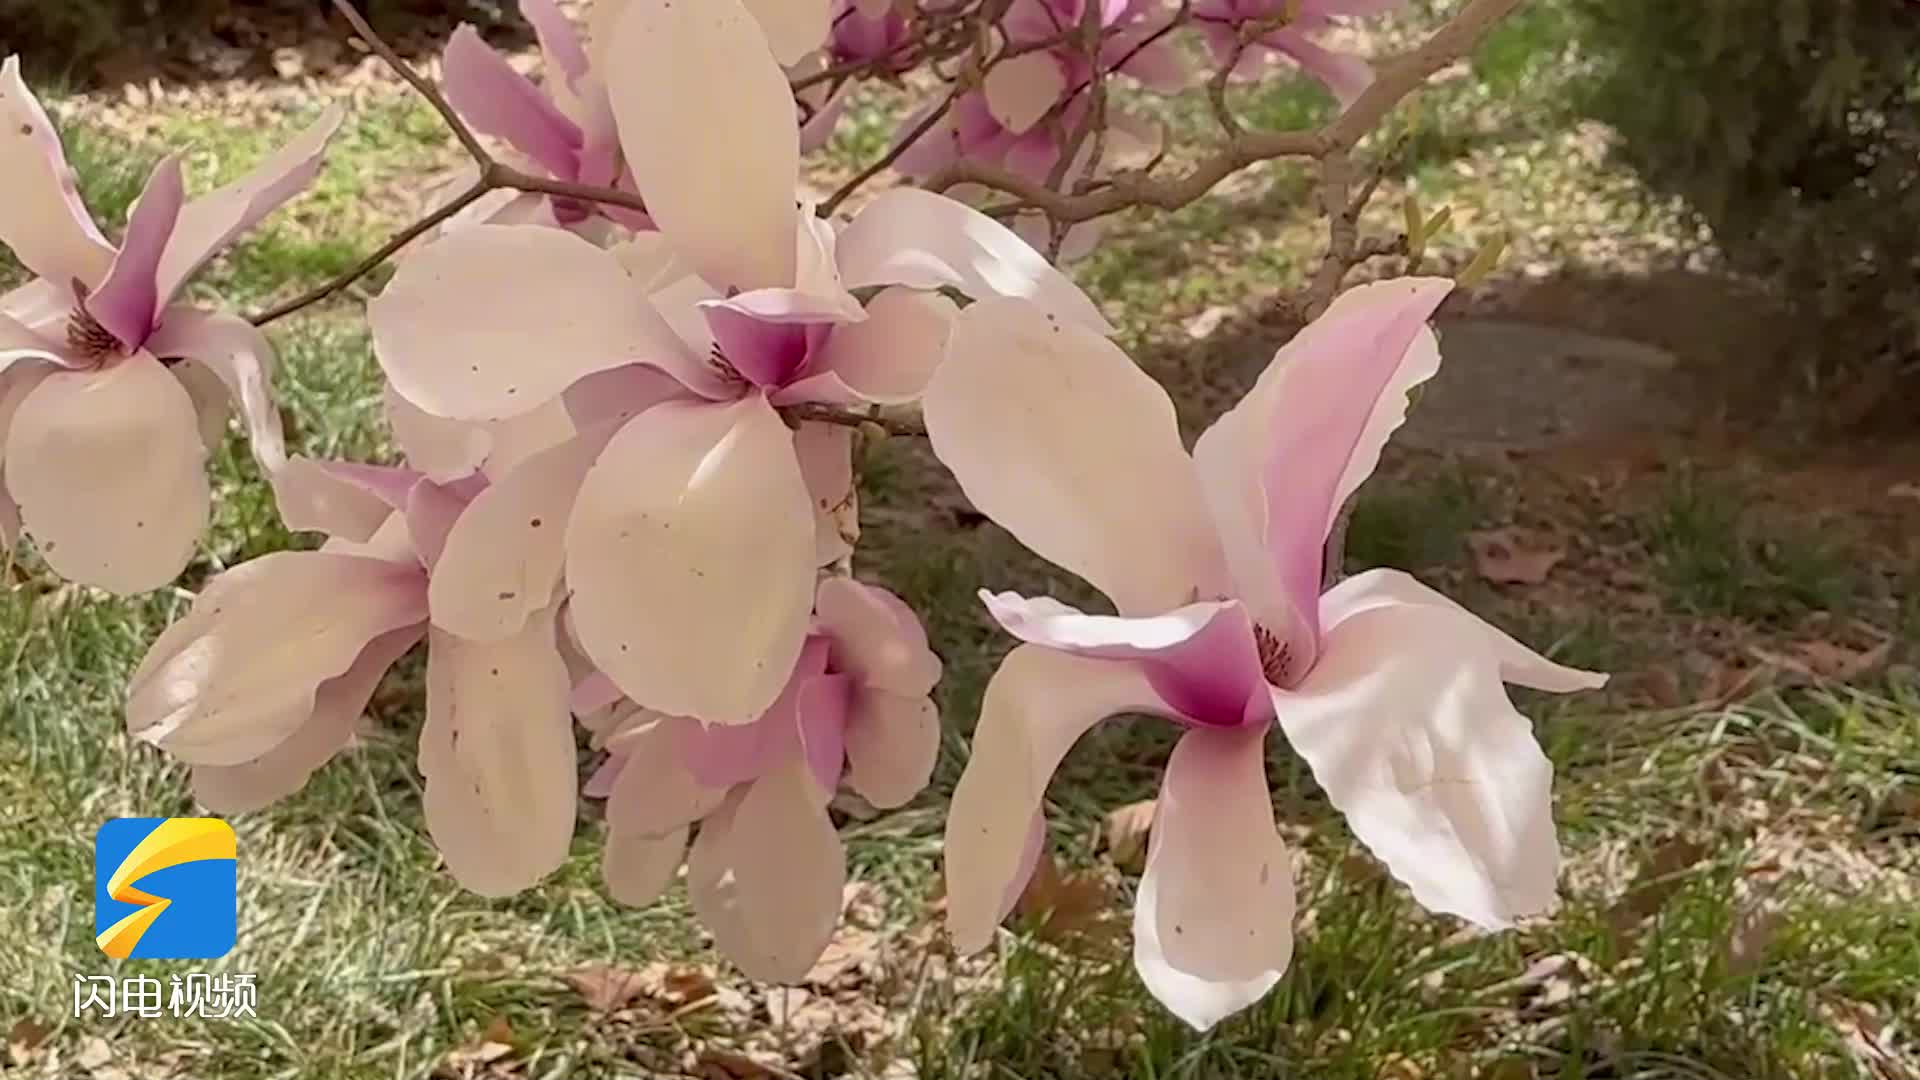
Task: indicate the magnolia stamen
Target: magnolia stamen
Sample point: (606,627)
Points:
(87,337)
(1276,655)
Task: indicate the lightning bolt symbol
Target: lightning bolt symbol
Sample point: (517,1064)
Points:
(171,843)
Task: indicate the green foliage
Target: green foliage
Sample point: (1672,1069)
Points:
(1792,129)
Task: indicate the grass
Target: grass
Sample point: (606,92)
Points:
(372,963)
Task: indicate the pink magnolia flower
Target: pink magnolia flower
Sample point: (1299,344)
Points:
(103,440)
(265,678)
(767,870)
(1006,122)
(706,507)
(867,30)
(563,129)
(1221,23)
(1391,692)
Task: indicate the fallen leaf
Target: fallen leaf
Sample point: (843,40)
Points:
(1828,660)
(1064,906)
(1514,556)
(845,957)
(606,988)
(1660,877)
(1126,831)
(24,1039)
(685,985)
(727,1065)
(94,1053)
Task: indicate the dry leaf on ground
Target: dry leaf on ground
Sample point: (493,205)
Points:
(1514,556)
(24,1040)
(1126,830)
(607,988)
(1065,905)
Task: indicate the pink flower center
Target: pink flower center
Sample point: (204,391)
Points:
(1276,656)
(86,337)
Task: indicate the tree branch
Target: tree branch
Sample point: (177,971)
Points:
(828,414)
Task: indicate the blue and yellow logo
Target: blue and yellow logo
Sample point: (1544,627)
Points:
(185,906)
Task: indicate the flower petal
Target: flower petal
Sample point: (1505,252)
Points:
(690,556)
(717,157)
(212,221)
(1408,729)
(875,637)
(821,710)
(825,453)
(239,673)
(41,216)
(892,743)
(284,769)
(793,28)
(619,394)
(1201,658)
(724,755)
(498,757)
(560,44)
(1278,465)
(19,343)
(441,449)
(1022,90)
(638,867)
(493,321)
(495,99)
(907,236)
(503,556)
(655,793)
(107,468)
(1036,706)
(789,871)
(889,357)
(1054,433)
(340,498)
(126,301)
(1346,75)
(1216,903)
(238,353)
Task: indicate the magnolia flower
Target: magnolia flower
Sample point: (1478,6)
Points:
(767,870)
(1221,24)
(868,30)
(1391,692)
(264,679)
(563,129)
(692,536)
(103,432)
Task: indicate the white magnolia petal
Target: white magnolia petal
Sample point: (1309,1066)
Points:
(498,757)
(502,558)
(495,320)
(690,558)
(892,744)
(638,867)
(907,236)
(1023,89)
(1219,881)
(655,793)
(41,216)
(518,438)
(441,449)
(238,674)
(108,469)
(236,351)
(19,343)
(1036,706)
(284,769)
(793,28)
(340,498)
(717,155)
(876,637)
(211,402)
(789,871)
(1055,434)
(889,357)
(825,453)
(1407,727)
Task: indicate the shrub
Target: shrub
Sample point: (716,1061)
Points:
(1792,129)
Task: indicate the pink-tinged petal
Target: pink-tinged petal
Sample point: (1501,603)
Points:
(1347,76)
(767,353)
(907,236)
(712,886)
(239,673)
(41,216)
(518,438)
(873,10)
(1032,155)
(620,393)
(1518,664)
(817,130)
(497,100)
(593,693)
(941,145)
(1159,65)
(210,400)
(889,358)
(329,729)
(212,221)
(1036,706)
(238,353)
(1022,90)
(718,157)
(431,513)
(875,637)
(1200,658)
(498,758)
(1277,466)
(1407,727)
(822,706)
(1213,922)
(722,756)
(650,260)
(128,298)
(788,874)
(560,43)
(892,743)
(638,868)
(655,793)
(439,448)
(1055,434)
(495,320)
(340,498)
(19,344)
(699,511)
(825,452)
(503,557)
(15,384)
(107,467)
(793,28)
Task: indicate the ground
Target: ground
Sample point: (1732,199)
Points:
(1740,809)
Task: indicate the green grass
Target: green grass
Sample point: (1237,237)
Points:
(372,963)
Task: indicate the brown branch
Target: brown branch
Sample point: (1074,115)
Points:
(880,164)
(827,414)
(414,79)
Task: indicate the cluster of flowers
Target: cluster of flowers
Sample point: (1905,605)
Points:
(612,512)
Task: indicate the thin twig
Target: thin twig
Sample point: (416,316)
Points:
(414,79)
(880,164)
(828,414)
